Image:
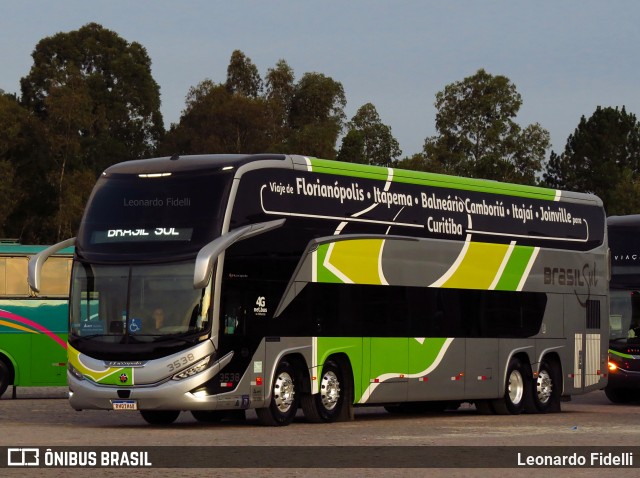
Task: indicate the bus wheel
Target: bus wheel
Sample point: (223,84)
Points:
(546,393)
(160,417)
(5,377)
(330,400)
(283,405)
(517,390)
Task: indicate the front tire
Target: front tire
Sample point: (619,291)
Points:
(284,402)
(160,417)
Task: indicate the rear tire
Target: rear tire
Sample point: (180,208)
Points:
(517,390)
(328,405)
(547,388)
(284,402)
(160,417)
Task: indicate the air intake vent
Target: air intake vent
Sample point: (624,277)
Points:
(593,314)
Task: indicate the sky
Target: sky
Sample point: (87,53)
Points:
(564,57)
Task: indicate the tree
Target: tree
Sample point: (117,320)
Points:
(368,140)
(7,193)
(94,103)
(477,134)
(126,122)
(416,162)
(217,120)
(280,88)
(21,147)
(243,76)
(317,116)
(602,156)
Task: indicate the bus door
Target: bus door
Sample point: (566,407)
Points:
(233,335)
(246,319)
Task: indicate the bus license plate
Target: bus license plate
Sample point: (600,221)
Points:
(124,404)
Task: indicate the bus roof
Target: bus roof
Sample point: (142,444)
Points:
(624,221)
(216,162)
(17,249)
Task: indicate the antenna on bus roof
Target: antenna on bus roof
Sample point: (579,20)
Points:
(175,157)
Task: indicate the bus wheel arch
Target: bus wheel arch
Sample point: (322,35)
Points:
(7,373)
(334,400)
(518,384)
(547,385)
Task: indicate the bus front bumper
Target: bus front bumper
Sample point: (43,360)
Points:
(168,395)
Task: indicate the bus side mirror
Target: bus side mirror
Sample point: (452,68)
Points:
(209,253)
(37,261)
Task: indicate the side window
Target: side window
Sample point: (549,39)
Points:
(16,276)
(3,273)
(56,274)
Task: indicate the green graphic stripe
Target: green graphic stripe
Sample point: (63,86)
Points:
(430,179)
(108,376)
(357,260)
(479,266)
(352,261)
(620,354)
(515,268)
(324,275)
(408,356)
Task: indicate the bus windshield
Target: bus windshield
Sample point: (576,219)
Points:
(137,303)
(625,314)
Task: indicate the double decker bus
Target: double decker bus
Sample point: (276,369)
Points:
(624,347)
(273,282)
(33,329)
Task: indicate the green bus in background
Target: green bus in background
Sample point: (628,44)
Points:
(220,283)
(33,329)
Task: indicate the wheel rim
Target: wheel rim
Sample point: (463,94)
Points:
(284,392)
(544,386)
(516,387)
(330,390)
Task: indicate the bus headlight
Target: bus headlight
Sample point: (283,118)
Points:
(194,369)
(73,371)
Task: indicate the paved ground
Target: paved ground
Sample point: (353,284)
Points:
(41,417)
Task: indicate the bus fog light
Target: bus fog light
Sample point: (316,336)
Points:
(194,369)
